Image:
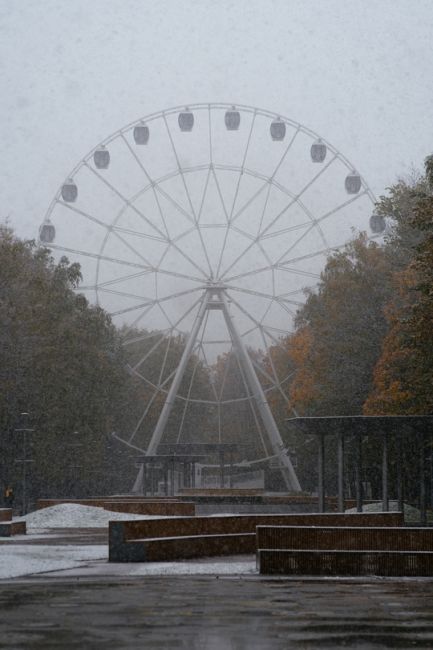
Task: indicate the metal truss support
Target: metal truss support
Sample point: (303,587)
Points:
(175,385)
(215,297)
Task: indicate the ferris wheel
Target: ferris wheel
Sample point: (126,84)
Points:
(208,223)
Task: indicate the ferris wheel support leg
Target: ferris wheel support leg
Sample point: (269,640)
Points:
(174,388)
(288,471)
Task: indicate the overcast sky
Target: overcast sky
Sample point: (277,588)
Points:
(359,73)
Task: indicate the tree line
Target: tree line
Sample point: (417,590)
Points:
(363,340)
(362,344)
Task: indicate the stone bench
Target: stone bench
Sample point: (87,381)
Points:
(345,563)
(386,538)
(290,550)
(167,549)
(5,514)
(9,528)
(127,539)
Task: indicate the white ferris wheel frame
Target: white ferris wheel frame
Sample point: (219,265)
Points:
(214,290)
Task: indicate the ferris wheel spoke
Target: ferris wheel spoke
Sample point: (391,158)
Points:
(286,151)
(210,134)
(268,181)
(220,194)
(241,172)
(142,315)
(276,379)
(187,401)
(105,258)
(158,190)
(154,347)
(294,245)
(296,198)
(90,217)
(158,301)
(106,283)
(126,201)
(158,388)
(132,248)
(187,192)
(164,361)
(285,231)
(265,207)
(150,180)
(176,274)
(142,337)
(261,236)
(250,397)
(240,276)
(318,221)
(200,210)
(309,256)
(267,329)
(123,294)
(229,355)
(262,294)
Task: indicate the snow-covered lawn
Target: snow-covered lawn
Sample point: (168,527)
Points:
(18,560)
(73,515)
(23,560)
(411,514)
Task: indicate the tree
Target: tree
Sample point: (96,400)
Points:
(403,377)
(339,332)
(60,360)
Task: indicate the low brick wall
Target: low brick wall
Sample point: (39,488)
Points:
(169,508)
(9,528)
(5,514)
(347,539)
(220,492)
(167,549)
(161,507)
(345,563)
(126,538)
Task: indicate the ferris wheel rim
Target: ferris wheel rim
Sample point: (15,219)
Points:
(209,106)
(281,264)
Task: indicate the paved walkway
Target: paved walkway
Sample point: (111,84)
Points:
(97,605)
(215,613)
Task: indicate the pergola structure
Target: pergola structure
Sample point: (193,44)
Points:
(357,428)
(182,457)
(151,468)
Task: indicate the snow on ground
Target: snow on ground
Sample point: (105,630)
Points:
(73,515)
(16,560)
(91,561)
(411,514)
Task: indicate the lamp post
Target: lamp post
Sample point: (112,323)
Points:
(25,429)
(74,447)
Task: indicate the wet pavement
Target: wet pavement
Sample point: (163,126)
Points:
(215,613)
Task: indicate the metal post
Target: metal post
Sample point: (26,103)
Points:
(358,471)
(24,430)
(172,477)
(288,471)
(385,497)
(169,402)
(222,477)
(340,460)
(422,486)
(152,479)
(321,471)
(400,485)
(431,473)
